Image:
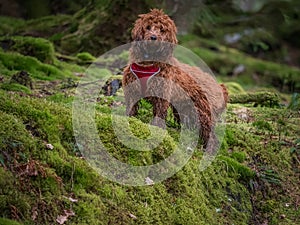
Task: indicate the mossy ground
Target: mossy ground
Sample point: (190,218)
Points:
(253,180)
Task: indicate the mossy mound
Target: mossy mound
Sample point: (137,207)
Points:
(59,179)
(36,58)
(39,48)
(53,175)
(14,62)
(265,137)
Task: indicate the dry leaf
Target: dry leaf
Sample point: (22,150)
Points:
(69,213)
(148,181)
(49,146)
(71,199)
(34,213)
(132,216)
(61,219)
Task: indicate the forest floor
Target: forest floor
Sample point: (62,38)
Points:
(45,179)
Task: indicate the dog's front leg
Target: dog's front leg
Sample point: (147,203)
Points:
(160,111)
(131,95)
(132,107)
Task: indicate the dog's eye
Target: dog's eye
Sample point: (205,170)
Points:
(162,30)
(148,28)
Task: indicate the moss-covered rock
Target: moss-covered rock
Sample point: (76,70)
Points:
(14,62)
(39,48)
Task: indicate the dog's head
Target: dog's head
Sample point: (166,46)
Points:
(154,26)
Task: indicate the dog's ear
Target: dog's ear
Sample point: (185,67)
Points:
(172,30)
(137,31)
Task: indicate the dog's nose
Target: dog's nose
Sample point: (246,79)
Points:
(153,37)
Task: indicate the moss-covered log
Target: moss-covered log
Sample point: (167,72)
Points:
(258,98)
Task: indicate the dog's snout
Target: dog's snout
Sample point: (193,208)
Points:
(153,37)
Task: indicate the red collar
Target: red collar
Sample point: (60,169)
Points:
(143,73)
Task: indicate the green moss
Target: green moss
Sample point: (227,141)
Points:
(48,26)
(39,48)
(15,140)
(9,24)
(263,125)
(235,167)
(61,98)
(14,62)
(4,221)
(15,87)
(139,130)
(263,98)
(239,156)
(10,195)
(234,88)
(218,195)
(85,56)
(38,116)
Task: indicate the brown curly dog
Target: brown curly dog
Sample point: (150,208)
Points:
(155,74)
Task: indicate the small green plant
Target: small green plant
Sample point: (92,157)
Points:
(270,176)
(234,167)
(239,156)
(295,102)
(296,148)
(263,125)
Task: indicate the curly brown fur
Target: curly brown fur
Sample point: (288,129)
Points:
(209,98)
